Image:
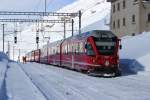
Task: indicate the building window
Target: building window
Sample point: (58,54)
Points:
(124,4)
(114,25)
(133,34)
(149,17)
(124,22)
(114,8)
(135,0)
(118,6)
(133,18)
(118,23)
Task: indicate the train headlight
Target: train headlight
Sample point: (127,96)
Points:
(107,63)
(93,61)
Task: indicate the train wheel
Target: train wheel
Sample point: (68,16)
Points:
(84,71)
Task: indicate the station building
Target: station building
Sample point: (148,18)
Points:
(130,17)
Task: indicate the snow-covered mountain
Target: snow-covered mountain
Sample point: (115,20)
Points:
(95,15)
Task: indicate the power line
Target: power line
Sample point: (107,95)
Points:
(34,20)
(38,13)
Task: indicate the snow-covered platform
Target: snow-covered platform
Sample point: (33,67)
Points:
(34,81)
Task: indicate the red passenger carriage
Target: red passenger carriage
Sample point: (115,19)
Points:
(93,52)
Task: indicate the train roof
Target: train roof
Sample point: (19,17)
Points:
(84,35)
(91,33)
(99,32)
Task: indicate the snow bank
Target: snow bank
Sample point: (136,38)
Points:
(145,61)
(3,68)
(3,56)
(19,86)
(135,47)
(135,54)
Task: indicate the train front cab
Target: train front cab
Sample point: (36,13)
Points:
(102,50)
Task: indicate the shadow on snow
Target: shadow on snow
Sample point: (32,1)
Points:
(130,67)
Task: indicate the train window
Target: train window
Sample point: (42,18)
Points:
(81,47)
(105,47)
(70,48)
(103,34)
(90,53)
(75,47)
(78,48)
(53,51)
(49,51)
(89,50)
(67,49)
(58,51)
(63,49)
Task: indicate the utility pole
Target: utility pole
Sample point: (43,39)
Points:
(72,27)
(37,39)
(13,52)
(64,29)
(19,56)
(45,6)
(80,22)
(3,25)
(37,35)
(8,49)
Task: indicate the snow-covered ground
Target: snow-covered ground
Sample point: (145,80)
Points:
(65,85)
(3,68)
(19,86)
(45,82)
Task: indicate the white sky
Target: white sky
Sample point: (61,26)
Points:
(18,5)
(32,5)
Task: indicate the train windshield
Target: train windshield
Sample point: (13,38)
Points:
(90,51)
(105,42)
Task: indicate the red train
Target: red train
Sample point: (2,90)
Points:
(95,52)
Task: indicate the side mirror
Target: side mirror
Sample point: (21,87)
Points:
(120,47)
(114,38)
(86,46)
